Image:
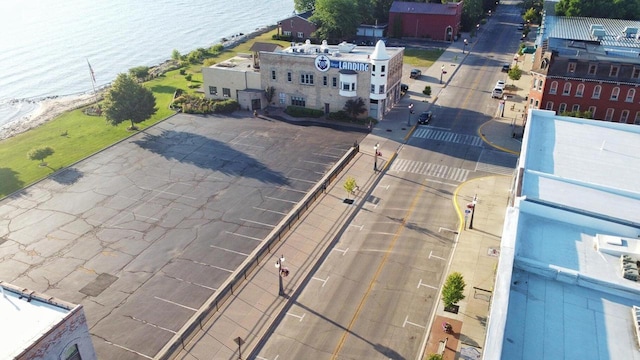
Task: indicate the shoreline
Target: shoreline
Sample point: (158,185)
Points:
(51,107)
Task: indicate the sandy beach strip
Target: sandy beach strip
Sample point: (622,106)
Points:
(47,110)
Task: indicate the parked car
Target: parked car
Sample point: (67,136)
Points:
(415,73)
(404,88)
(521,27)
(500,84)
(506,68)
(424,118)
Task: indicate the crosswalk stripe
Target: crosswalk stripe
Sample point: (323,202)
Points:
(430,169)
(448,136)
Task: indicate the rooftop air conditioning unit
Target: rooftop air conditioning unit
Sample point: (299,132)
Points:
(630,32)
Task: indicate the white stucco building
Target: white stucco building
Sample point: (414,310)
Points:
(38,327)
(314,76)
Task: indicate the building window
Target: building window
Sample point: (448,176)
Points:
(572,67)
(297,101)
(72,353)
(540,85)
(575,107)
(334,82)
(381,89)
(637,120)
(592,110)
(554,88)
(624,116)
(549,105)
(273,74)
(283,98)
(562,108)
(306,79)
(213,90)
(614,70)
(226,92)
(373,88)
(636,73)
(580,90)
(609,115)
(300,34)
(596,92)
(286,33)
(383,68)
(566,90)
(289,76)
(346,86)
(535,83)
(630,95)
(614,94)
(592,69)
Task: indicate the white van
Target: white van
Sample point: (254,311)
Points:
(497,93)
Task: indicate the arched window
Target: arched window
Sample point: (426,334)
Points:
(549,105)
(554,87)
(596,92)
(580,90)
(614,94)
(567,89)
(630,95)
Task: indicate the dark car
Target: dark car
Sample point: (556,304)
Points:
(506,68)
(424,118)
(404,88)
(415,73)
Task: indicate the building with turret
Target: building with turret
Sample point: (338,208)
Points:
(321,77)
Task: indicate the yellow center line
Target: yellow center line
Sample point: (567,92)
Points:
(375,276)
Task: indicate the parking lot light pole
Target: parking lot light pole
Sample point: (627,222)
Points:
(375,156)
(279,266)
(441,72)
(409,115)
(473,210)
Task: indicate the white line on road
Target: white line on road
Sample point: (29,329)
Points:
(327,155)
(324,281)
(446,229)
(273,211)
(212,266)
(437,257)
(290,189)
(303,180)
(244,236)
(258,223)
(228,250)
(129,350)
(314,162)
(300,317)
(262,358)
(442,182)
(381,233)
(429,286)
(151,324)
(167,192)
(274,198)
(340,250)
(386,187)
(175,303)
(406,321)
(356,226)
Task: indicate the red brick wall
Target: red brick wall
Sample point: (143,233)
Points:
(296,24)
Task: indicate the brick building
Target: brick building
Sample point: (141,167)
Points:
(298,27)
(425,20)
(588,64)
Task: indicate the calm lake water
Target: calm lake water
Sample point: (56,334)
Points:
(45,45)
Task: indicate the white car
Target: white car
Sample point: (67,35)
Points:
(500,84)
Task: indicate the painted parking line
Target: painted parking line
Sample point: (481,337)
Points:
(258,223)
(340,250)
(278,199)
(420,283)
(271,211)
(406,321)
(434,256)
(228,250)
(300,317)
(244,236)
(175,303)
(323,281)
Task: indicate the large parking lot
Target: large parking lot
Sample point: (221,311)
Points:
(142,233)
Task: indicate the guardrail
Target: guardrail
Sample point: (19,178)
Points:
(179,341)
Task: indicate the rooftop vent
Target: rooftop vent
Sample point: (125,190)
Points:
(598,33)
(595,26)
(630,32)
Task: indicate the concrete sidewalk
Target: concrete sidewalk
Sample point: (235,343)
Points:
(253,310)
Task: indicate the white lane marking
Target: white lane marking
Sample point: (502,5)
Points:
(429,286)
(278,199)
(268,210)
(356,226)
(300,317)
(129,350)
(228,250)
(324,281)
(437,257)
(340,250)
(406,321)
(258,223)
(175,303)
(244,236)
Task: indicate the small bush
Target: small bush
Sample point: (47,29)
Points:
(299,111)
(188,77)
(226,106)
(427,90)
(183,71)
(339,116)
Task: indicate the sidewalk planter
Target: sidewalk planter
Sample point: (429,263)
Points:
(452,308)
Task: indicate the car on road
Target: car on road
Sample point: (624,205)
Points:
(424,118)
(500,84)
(404,88)
(415,73)
(520,27)
(506,68)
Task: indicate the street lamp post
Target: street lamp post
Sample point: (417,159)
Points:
(473,210)
(504,104)
(281,273)
(375,156)
(441,73)
(465,45)
(409,116)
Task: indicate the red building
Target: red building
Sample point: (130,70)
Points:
(425,20)
(588,65)
(298,27)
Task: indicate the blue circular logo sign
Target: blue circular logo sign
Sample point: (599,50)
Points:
(322,63)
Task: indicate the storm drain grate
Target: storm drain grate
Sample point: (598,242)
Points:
(97,286)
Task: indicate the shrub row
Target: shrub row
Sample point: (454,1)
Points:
(192,104)
(299,111)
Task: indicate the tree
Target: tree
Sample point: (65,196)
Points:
(453,289)
(515,73)
(532,16)
(354,107)
(128,100)
(471,14)
(336,19)
(139,72)
(269,92)
(612,9)
(304,5)
(175,55)
(350,185)
(40,153)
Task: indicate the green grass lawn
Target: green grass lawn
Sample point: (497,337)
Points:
(87,135)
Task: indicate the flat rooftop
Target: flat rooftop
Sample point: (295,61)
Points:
(564,298)
(25,319)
